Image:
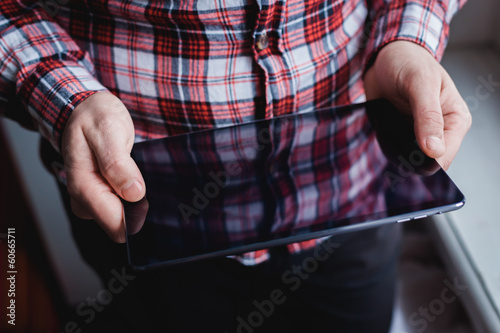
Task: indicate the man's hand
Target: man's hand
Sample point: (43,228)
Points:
(409,77)
(96,147)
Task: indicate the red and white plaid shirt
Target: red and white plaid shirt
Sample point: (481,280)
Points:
(189,65)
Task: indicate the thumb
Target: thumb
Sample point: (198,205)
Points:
(120,170)
(123,175)
(424,99)
(111,147)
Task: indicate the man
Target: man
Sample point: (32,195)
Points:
(178,66)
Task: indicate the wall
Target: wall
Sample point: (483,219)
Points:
(476,25)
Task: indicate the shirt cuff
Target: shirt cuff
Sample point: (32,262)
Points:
(52,91)
(413,21)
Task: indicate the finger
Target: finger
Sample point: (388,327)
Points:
(94,198)
(80,211)
(425,104)
(111,146)
(451,149)
(91,195)
(457,121)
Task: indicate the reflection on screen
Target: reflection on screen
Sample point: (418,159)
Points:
(274,181)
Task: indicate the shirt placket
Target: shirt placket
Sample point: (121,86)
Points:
(268,44)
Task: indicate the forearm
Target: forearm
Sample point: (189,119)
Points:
(41,68)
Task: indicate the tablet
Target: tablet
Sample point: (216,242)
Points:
(291,178)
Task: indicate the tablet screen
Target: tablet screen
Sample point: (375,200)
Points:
(271,182)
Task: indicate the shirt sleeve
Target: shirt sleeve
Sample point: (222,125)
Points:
(43,73)
(425,22)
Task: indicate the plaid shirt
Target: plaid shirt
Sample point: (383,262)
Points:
(189,65)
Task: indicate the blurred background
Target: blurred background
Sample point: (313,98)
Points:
(457,252)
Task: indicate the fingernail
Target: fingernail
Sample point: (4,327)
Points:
(132,190)
(434,143)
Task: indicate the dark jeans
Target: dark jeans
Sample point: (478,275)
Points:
(346,285)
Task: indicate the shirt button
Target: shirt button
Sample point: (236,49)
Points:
(262,41)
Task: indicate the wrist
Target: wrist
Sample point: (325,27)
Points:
(53,89)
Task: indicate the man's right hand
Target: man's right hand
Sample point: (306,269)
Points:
(96,146)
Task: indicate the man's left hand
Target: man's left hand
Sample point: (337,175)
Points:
(409,77)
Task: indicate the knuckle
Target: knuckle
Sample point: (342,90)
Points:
(113,167)
(112,118)
(463,116)
(417,76)
(434,117)
(107,124)
(70,158)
